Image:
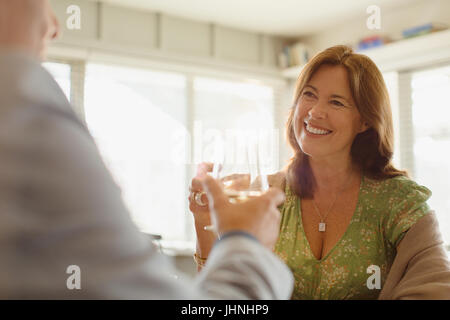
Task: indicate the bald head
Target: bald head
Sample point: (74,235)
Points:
(27,25)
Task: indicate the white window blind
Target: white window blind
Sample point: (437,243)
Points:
(236,112)
(431,139)
(132,114)
(392,84)
(152,129)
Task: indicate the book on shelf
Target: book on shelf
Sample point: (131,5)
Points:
(423,29)
(372,42)
(296,54)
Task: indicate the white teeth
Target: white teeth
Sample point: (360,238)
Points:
(315,130)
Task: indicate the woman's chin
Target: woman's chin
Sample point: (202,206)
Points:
(313,151)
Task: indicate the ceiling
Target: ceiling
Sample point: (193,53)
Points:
(277,17)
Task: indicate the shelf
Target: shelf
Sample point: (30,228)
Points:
(292,72)
(407,54)
(413,53)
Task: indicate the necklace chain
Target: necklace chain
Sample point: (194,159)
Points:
(322,219)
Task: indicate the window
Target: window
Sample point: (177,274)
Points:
(133,115)
(391,81)
(431,123)
(62,73)
(234,112)
(151,143)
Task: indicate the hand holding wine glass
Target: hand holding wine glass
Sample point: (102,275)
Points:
(241,180)
(258,216)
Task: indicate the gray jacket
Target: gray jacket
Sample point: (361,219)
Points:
(60,207)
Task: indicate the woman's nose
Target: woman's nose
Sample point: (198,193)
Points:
(318,111)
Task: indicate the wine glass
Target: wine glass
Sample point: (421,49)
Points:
(244,177)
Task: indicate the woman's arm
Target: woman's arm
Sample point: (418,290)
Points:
(205,238)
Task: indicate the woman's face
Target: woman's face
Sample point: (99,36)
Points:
(326,119)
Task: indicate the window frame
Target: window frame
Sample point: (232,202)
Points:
(78,78)
(404,119)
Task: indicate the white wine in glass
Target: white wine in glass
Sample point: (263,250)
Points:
(242,196)
(242,180)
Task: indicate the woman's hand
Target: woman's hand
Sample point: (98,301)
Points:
(257,216)
(200,206)
(205,238)
(200,210)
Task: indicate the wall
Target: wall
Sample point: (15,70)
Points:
(393,21)
(144,31)
(155,40)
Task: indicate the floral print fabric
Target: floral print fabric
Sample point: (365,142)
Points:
(385,210)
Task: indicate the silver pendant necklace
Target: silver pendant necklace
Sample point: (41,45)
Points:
(322,224)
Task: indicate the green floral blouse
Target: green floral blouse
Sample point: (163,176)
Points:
(384,212)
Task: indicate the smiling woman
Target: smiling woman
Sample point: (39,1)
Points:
(347,207)
(353,98)
(348,211)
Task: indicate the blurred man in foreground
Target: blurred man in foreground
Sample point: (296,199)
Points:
(59,206)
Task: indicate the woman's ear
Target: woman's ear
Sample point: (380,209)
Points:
(364,126)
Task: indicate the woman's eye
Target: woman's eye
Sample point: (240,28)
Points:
(309,94)
(337,103)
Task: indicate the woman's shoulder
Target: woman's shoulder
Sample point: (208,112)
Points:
(399,202)
(277,180)
(399,188)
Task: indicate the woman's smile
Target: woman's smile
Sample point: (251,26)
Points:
(315,131)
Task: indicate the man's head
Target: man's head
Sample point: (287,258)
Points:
(28,25)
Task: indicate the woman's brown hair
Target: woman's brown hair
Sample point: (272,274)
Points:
(372,149)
